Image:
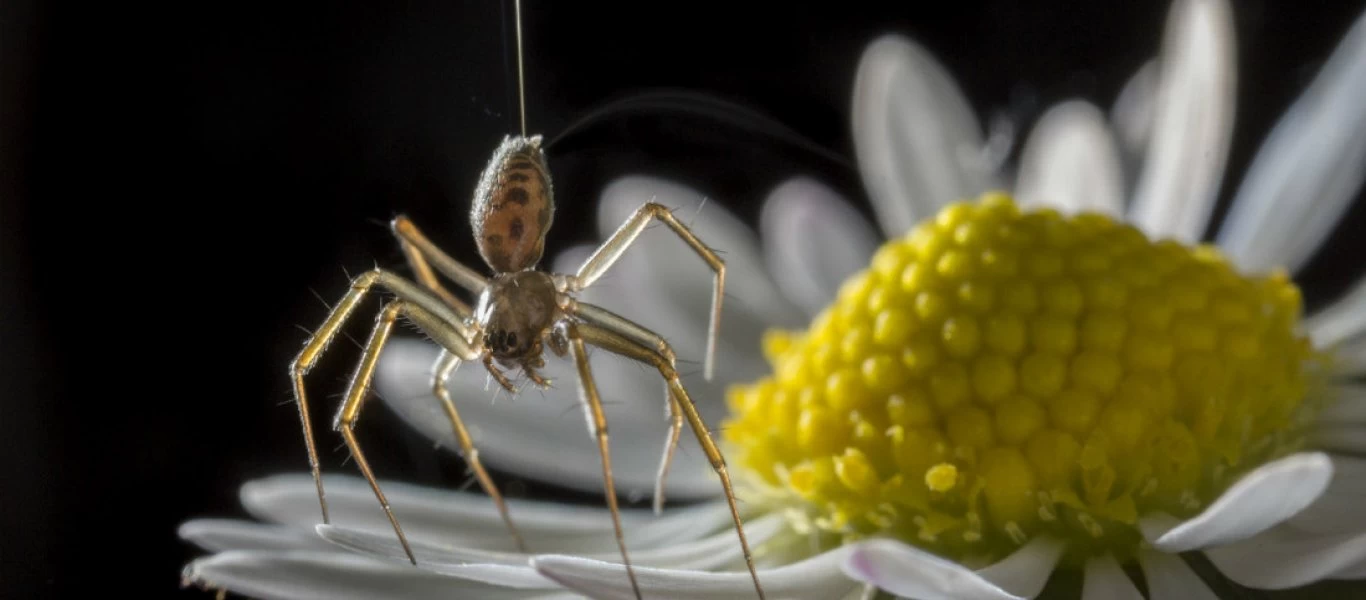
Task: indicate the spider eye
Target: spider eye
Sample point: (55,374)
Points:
(512,340)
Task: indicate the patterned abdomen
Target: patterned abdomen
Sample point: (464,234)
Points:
(513,206)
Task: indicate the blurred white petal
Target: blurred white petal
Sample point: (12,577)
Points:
(646,544)
(1192,122)
(306,575)
(1343,319)
(217,535)
(1071,162)
(1348,407)
(1105,580)
(1259,500)
(1307,171)
(1340,438)
(1170,578)
(1350,357)
(909,571)
(1341,504)
(1132,113)
(443,517)
(542,435)
(1025,572)
(817,578)
(1285,558)
(915,135)
(813,239)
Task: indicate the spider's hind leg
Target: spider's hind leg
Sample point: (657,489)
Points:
(617,342)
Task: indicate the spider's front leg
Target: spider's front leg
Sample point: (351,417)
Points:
(612,250)
(431,315)
(440,330)
(322,338)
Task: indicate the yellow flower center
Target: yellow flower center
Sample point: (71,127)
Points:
(996,375)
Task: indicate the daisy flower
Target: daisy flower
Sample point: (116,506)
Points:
(998,391)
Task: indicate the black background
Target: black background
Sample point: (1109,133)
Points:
(179,181)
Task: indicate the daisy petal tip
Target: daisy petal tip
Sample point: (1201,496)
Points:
(1260,500)
(911,572)
(915,134)
(581,574)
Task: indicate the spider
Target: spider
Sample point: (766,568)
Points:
(520,312)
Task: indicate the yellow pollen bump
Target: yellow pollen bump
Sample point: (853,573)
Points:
(997,374)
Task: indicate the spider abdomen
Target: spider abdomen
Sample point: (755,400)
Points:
(513,206)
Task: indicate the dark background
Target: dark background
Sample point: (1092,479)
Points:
(179,181)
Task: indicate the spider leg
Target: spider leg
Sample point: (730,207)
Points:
(445,365)
(346,419)
(451,333)
(615,246)
(597,426)
(606,319)
(419,250)
(617,343)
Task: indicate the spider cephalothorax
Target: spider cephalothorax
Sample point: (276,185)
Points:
(515,311)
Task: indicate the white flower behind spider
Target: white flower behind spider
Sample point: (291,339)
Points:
(1288,522)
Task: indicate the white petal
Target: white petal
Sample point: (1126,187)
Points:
(442,517)
(499,568)
(542,434)
(1340,506)
(813,240)
(1071,162)
(653,545)
(1192,122)
(915,135)
(1025,572)
(330,576)
(1132,114)
(1263,498)
(909,571)
(1348,408)
(1350,357)
(218,535)
(1343,319)
(816,578)
(1340,438)
(1307,171)
(1170,578)
(1105,580)
(1284,558)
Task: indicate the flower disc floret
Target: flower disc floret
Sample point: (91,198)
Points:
(997,374)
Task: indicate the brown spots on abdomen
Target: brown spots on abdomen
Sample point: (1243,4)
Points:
(515,213)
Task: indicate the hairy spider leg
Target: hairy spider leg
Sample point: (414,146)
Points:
(618,343)
(602,317)
(597,427)
(428,312)
(611,250)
